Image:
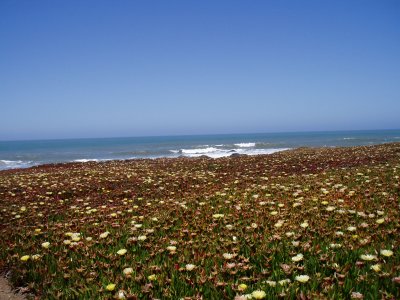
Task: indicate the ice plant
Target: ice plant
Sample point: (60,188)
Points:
(152,277)
(190,267)
(127,271)
(297,258)
(228,256)
(386,253)
(258,294)
(376,268)
(171,249)
(25,257)
(46,245)
(302,278)
(367,257)
(104,235)
(304,224)
(110,287)
(121,252)
(242,287)
(142,237)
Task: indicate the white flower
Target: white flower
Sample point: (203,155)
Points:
(142,237)
(297,258)
(171,248)
(335,246)
(128,271)
(271,283)
(356,295)
(386,253)
(351,228)
(218,216)
(104,235)
(295,243)
(258,294)
(228,255)
(121,252)
(190,267)
(304,224)
(368,257)
(284,281)
(302,278)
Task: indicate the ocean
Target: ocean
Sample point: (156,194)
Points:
(22,154)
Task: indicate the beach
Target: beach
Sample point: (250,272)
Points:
(309,223)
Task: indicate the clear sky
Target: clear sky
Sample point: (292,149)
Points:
(133,68)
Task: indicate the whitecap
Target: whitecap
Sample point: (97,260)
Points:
(245,145)
(199,150)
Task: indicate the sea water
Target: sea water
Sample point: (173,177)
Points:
(20,154)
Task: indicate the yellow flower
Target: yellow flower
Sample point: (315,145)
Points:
(25,257)
(376,268)
(152,277)
(302,278)
(110,287)
(380,221)
(242,287)
(386,253)
(46,245)
(121,252)
(258,294)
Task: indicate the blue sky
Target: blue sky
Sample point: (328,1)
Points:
(135,68)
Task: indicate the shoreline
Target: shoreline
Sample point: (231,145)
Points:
(204,156)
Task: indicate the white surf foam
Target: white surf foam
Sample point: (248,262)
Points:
(13,164)
(200,151)
(83,160)
(245,145)
(217,153)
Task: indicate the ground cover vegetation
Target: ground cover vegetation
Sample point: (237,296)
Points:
(306,223)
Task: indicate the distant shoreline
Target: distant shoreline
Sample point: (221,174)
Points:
(89,163)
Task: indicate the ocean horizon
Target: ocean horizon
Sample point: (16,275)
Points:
(28,153)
